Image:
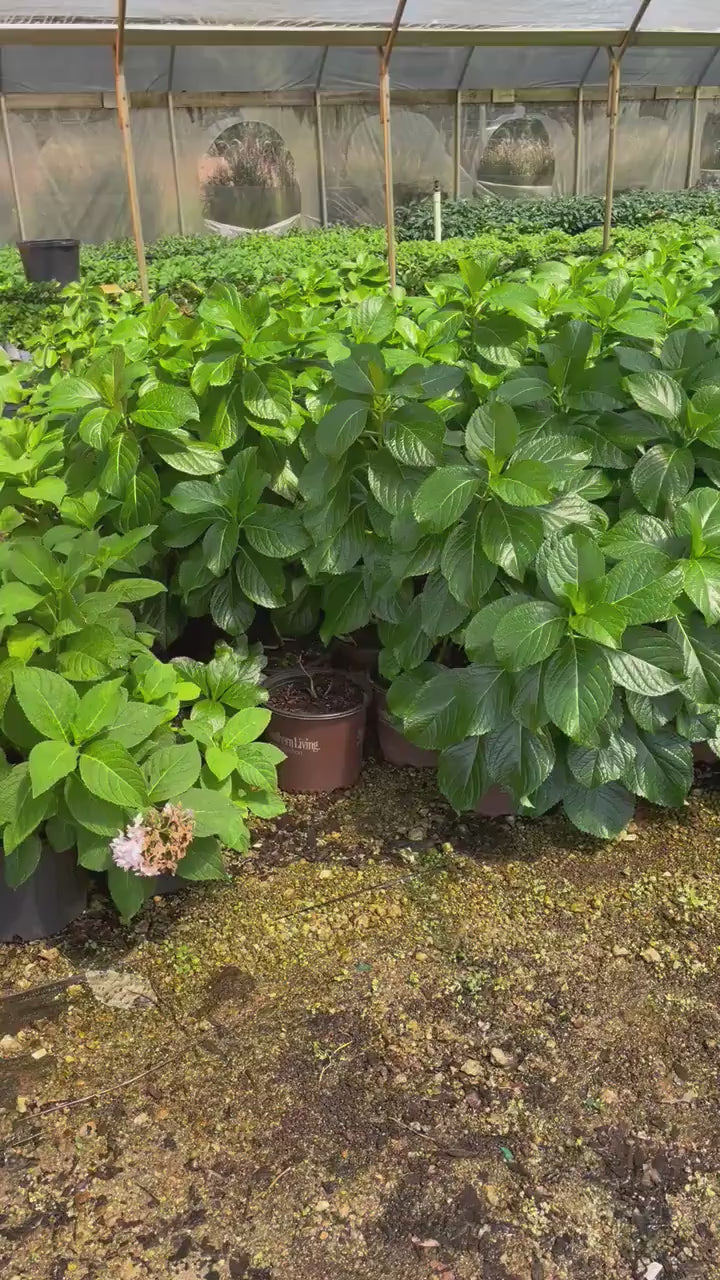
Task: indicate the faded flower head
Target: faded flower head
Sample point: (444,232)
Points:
(155,842)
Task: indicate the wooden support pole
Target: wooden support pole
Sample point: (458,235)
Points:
(613,105)
(692,147)
(385,55)
(123,110)
(579,130)
(457,140)
(173,145)
(388,165)
(11,166)
(322,177)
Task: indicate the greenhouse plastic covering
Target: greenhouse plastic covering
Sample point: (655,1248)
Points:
(249,164)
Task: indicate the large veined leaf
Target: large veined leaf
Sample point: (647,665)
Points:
(700,647)
(440,611)
(261,579)
(699,517)
(636,533)
(702,584)
(497,338)
(510,536)
(480,630)
(392,484)
(220,544)
(439,715)
(97,709)
(192,457)
(567,352)
(653,713)
(465,566)
(110,773)
(267,392)
(88,810)
(203,860)
(650,662)
(341,426)
(122,463)
(141,500)
(657,393)
(461,774)
(601,811)
(170,771)
(604,623)
(276,531)
(49,701)
(442,498)
(567,562)
(345,605)
(577,687)
(594,766)
(662,476)
(524,483)
(492,429)
(527,704)
(415,435)
(28,811)
(166,408)
(487,688)
(49,762)
(519,759)
(363,372)
(660,767)
(529,634)
(565,455)
(643,587)
(127,891)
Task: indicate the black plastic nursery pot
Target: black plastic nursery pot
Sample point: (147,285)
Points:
(323,749)
(53,896)
(50,260)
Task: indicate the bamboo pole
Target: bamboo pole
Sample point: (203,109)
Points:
(387,159)
(14,186)
(457,144)
(322,177)
(123,110)
(173,145)
(579,130)
(613,103)
(385,55)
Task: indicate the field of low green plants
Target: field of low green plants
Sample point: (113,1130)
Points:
(512,472)
(185,267)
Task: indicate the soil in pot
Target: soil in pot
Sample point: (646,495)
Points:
(318,720)
(44,904)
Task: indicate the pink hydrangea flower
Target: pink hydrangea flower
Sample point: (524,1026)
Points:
(128,846)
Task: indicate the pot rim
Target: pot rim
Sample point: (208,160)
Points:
(294,673)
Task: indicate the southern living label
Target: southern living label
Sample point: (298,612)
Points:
(296,746)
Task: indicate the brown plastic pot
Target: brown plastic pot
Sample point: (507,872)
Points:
(359,652)
(496,803)
(703,753)
(394,746)
(324,751)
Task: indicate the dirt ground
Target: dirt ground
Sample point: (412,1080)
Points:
(396,1046)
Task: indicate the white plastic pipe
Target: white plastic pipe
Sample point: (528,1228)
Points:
(437,211)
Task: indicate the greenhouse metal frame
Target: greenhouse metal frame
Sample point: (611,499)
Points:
(453,55)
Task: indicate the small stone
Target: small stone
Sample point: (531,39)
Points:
(141,1118)
(322,1206)
(491,1194)
(651,956)
(501,1058)
(628,836)
(49,954)
(417,833)
(21,1104)
(653,1271)
(8,1044)
(420,955)
(471,1067)
(38,1054)
(620,951)
(325,874)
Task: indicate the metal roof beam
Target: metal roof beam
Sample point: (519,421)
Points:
(103,33)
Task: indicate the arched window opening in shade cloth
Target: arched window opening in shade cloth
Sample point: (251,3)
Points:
(248,180)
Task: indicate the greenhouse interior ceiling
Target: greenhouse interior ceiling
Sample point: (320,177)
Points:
(270,115)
